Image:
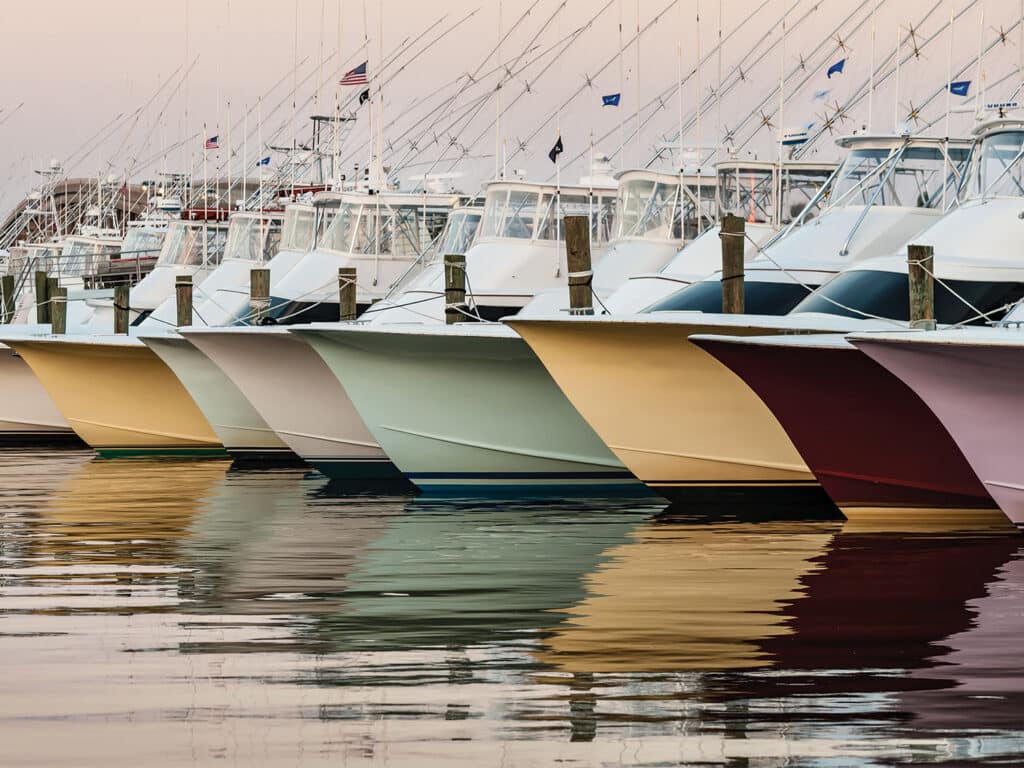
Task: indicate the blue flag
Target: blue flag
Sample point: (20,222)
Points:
(822,94)
(960,87)
(264,161)
(836,69)
(611,100)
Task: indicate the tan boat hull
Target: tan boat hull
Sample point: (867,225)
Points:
(676,417)
(120,399)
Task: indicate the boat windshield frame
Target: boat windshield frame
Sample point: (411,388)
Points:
(757,201)
(521,212)
(253,236)
(298,228)
(193,243)
(973,187)
(412,221)
(661,207)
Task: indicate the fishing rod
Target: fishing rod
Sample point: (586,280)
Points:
(469,111)
(862,91)
(359,148)
(659,99)
(465,117)
(570,40)
(810,73)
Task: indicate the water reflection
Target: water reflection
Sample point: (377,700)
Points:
(201,613)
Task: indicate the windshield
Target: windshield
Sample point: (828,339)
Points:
(459,233)
(865,293)
(251,238)
(192,244)
(510,213)
(997,167)
(74,247)
(649,209)
(909,177)
(142,243)
(298,229)
(400,231)
(750,192)
(525,215)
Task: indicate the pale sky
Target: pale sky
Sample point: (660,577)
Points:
(75,65)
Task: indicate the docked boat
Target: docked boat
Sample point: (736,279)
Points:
(969,378)
(770,196)
(844,412)
(676,417)
(467,408)
(254,239)
(114,405)
(265,361)
(81,264)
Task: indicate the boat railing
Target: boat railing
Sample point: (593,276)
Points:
(894,162)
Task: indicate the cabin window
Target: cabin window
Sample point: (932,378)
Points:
(998,170)
(760,298)
(861,293)
(298,230)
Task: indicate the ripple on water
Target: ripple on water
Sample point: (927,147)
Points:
(180,612)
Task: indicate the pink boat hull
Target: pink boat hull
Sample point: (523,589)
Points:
(977,392)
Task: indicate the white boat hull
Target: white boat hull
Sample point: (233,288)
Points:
(28,416)
(468,412)
(297,396)
(243,432)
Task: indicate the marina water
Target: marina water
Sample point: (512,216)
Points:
(171,613)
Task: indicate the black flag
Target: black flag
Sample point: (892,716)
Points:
(556,150)
(364,96)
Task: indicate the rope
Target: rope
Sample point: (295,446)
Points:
(978,314)
(805,286)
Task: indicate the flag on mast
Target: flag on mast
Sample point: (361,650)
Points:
(355,76)
(836,69)
(556,150)
(611,100)
(364,96)
(212,143)
(960,87)
(264,161)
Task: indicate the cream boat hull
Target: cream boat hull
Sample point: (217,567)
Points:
(119,397)
(468,409)
(238,425)
(295,393)
(676,417)
(27,414)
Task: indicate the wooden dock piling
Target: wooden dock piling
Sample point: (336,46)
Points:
(577,255)
(7,288)
(454,288)
(183,297)
(920,263)
(42,298)
(122,295)
(733,235)
(259,295)
(346,293)
(59,310)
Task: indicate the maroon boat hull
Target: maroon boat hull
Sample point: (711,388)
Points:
(871,442)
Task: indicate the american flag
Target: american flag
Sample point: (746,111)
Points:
(355,76)
(212,143)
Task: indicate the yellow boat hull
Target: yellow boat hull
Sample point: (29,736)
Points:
(121,399)
(676,417)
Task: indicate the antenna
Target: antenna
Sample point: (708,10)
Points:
(622,119)
(700,102)
(871,72)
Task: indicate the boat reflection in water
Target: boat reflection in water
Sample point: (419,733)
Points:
(258,615)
